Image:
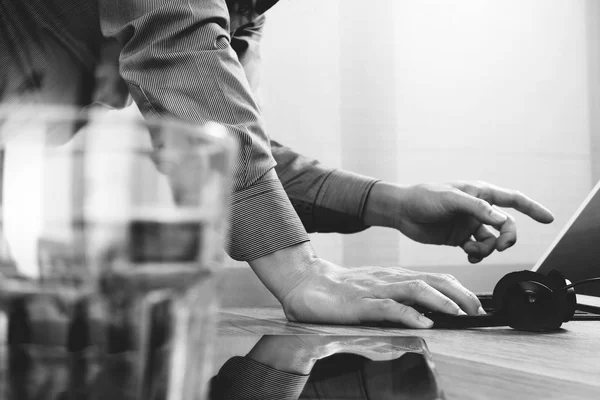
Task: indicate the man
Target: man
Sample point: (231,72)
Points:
(178,58)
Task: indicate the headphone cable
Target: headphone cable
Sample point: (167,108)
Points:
(581,282)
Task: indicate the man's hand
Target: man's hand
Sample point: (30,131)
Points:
(313,290)
(456,214)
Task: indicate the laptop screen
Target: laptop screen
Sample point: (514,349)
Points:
(576,251)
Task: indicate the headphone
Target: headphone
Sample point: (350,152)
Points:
(524,300)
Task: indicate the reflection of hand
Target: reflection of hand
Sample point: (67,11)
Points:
(450,214)
(298,354)
(373,347)
(317,291)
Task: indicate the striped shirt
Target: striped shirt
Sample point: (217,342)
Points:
(245,378)
(192,59)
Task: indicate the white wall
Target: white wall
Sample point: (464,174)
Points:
(301,87)
(497,91)
(592,12)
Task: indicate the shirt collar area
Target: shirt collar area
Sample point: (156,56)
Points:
(242,12)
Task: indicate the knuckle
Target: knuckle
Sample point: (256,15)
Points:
(516,197)
(404,312)
(471,297)
(385,306)
(451,195)
(481,204)
(460,184)
(417,286)
(420,186)
(452,191)
(445,278)
(518,194)
(448,304)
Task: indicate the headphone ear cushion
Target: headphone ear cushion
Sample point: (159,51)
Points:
(532,301)
(531,306)
(509,280)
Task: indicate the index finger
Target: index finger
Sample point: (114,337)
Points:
(451,287)
(514,199)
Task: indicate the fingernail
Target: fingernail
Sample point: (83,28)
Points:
(497,215)
(426,322)
(481,311)
(461,312)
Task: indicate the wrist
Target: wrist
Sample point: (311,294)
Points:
(284,353)
(384,205)
(284,269)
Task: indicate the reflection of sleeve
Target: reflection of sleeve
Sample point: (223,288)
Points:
(177,60)
(327,200)
(244,378)
(351,376)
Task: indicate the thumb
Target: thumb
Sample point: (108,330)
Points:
(461,202)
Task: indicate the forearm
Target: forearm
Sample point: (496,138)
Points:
(326,199)
(384,205)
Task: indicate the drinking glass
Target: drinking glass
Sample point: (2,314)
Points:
(111,239)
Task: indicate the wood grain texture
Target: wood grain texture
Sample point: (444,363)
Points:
(488,363)
(463,379)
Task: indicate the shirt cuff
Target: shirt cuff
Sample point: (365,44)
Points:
(244,378)
(263,221)
(340,202)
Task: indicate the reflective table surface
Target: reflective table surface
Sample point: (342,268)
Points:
(324,367)
(244,366)
(257,353)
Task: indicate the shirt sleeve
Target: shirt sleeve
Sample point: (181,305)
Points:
(326,199)
(244,378)
(176,59)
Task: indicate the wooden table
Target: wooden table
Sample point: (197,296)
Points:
(487,363)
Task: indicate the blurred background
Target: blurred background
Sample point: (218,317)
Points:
(414,91)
